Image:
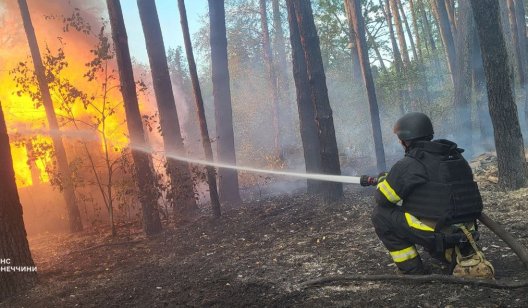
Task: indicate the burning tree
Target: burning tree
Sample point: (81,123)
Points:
(13,243)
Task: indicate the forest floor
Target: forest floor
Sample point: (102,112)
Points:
(260,253)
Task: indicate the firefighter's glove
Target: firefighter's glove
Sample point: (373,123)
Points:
(382,176)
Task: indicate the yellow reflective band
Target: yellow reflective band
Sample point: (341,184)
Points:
(404,254)
(416,223)
(388,192)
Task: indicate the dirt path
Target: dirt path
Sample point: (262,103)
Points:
(258,255)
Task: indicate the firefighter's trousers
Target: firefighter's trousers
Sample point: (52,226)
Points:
(400,232)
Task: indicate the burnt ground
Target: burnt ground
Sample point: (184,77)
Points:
(258,254)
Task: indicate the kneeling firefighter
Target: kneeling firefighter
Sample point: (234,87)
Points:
(429,199)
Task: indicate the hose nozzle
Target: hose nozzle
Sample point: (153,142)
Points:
(366,180)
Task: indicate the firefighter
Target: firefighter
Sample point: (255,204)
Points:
(429,199)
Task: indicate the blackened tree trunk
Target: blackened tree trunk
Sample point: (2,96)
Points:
(180,176)
(408,29)
(308,127)
(145,177)
(319,94)
(503,111)
(439,9)
(272,77)
(228,179)
(462,95)
(512,16)
(481,97)
(74,216)
(356,67)
(13,239)
(359,29)
(206,142)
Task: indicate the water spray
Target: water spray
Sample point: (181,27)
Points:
(363,180)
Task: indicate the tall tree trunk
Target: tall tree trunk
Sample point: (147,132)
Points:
(427,26)
(519,65)
(506,32)
(180,176)
(450,9)
(356,67)
(74,216)
(359,29)
(416,29)
(462,95)
(323,112)
(481,97)
(281,64)
(398,64)
(145,177)
(272,76)
(206,142)
(308,127)
(523,42)
(503,111)
(399,31)
(447,36)
(228,179)
(408,29)
(13,239)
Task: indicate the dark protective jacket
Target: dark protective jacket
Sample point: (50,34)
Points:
(433,181)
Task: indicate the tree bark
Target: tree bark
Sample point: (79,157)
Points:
(481,97)
(206,142)
(354,6)
(228,179)
(399,31)
(416,29)
(519,65)
(145,177)
(356,67)
(74,215)
(408,29)
(308,127)
(447,36)
(13,239)
(462,95)
(523,42)
(450,9)
(180,176)
(503,111)
(272,77)
(319,93)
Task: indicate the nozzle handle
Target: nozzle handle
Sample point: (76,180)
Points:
(366,180)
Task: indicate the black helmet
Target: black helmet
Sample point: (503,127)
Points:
(414,125)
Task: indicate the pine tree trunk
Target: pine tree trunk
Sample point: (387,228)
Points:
(399,32)
(447,36)
(481,97)
(408,29)
(519,65)
(503,111)
(462,95)
(144,173)
(228,179)
(354,6)
(308,127)
(356,67)
(13,242)
(506,32)
(74,216)
(180,176)
(319,93)
(206,141)
(416,29)
(272,77)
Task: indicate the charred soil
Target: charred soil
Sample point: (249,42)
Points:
(259,254)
